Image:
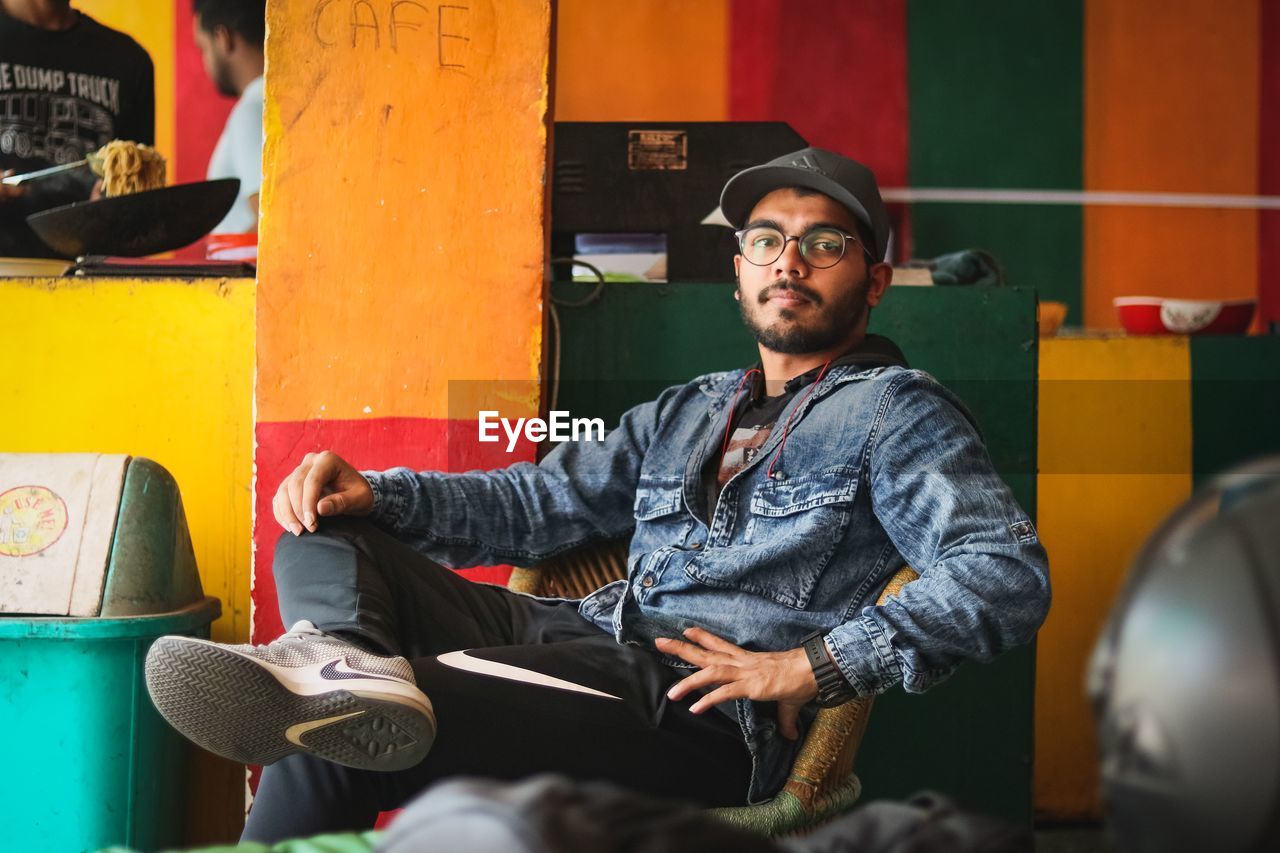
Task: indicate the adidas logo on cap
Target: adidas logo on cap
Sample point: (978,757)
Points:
(804,162)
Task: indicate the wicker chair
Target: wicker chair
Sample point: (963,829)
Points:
(822,783)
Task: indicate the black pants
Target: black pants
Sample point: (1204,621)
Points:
(356,581)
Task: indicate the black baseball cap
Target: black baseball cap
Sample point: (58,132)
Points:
(847,181)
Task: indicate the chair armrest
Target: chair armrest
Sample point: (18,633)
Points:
(826,757)
(575,574)
(527,581)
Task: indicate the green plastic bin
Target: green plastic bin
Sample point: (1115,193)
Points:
(89,761)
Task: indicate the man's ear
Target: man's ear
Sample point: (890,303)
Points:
(737,267)
(224,38)
(881,276)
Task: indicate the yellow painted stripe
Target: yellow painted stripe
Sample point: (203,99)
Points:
(1171,105)
(1115,458)
(161,369)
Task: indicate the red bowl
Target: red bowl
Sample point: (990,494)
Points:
(1152,315)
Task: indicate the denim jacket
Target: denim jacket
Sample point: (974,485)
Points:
(881,466)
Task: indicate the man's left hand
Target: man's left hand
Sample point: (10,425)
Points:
(8,191)
(782,677)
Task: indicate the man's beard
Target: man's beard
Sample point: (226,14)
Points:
(222,79)
(832,325)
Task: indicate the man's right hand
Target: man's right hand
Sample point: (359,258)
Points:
(7,192)
(324,484)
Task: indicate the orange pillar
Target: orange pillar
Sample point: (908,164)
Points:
(403,239)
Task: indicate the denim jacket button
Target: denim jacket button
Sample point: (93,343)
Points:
(647,582)
(696,545)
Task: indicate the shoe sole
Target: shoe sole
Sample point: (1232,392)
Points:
(231,705)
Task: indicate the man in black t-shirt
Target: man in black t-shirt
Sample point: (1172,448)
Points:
(68,85)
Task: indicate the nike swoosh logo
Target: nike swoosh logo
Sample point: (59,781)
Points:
(338,669)
(294,733)
(479,666)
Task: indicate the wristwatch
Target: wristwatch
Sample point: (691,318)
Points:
(833,688)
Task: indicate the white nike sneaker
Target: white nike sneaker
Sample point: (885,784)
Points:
(305,692)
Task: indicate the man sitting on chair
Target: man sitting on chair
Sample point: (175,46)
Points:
(766,508)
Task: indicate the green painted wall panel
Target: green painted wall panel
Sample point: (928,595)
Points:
(996,101)
(1235,402)
(1038,245)
(996,92)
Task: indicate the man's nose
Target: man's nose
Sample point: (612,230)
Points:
(791,262)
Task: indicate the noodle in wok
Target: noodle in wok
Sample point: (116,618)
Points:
(130,167)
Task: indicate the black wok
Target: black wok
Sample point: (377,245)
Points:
(139,223)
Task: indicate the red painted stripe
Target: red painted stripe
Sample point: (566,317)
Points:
(836,72)
(1269,163)
(423,444)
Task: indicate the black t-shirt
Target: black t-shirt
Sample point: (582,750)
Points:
(62,95)
(756,414)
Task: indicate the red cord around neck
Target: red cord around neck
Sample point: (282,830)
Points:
(733,407)
(786,428)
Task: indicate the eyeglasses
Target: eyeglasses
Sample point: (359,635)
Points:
(821,247)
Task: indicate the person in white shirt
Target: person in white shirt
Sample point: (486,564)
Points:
(230,35)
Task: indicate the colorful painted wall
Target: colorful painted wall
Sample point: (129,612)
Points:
(403,239)
(1084,96)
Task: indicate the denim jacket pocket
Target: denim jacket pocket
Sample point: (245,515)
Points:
(791,534)
(781,498)
(804,516)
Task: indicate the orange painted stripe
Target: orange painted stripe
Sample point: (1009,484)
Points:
(1171,104)
(402,241)
(659,60)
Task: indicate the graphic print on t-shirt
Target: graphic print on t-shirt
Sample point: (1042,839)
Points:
(744,445)
(54,115)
